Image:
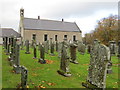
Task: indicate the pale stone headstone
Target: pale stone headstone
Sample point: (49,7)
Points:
(81,48)
(42,55)
(64,64)
(99,58)
(24,76)
(112,46)
(27,47)
(73,47)
(16,66)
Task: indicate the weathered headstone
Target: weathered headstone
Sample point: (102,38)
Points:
(22,45)
(88,48)
(46,45)
(56,46)
(16,66)
(27,47)
(119,49)
(64,64)
(99,58)
(12,61)
(51,47)
(112,46)
(34,51)
(42,55)
(11,50)
(73,47)
(24,76)
(81,47)
(59,49)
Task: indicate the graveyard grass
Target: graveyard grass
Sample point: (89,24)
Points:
(46,74)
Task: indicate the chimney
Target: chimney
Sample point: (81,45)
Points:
(62,20)
(38,17)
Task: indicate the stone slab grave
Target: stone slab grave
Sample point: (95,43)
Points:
(11,48)
(12,54)
(42,55)
(56,46)
(46,45)
(118,49)
(73,47)
(59,49)
(64,62)
(24,77)
(112,46)
(27,47)
(81,47)
(34,51)
(22,45)
(16,66)
(51,47)
(99,58)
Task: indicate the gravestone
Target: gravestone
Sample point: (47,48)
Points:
(16,66)
(34,51)
(112,46)
(73,47)
(8,49)
(51,47)
(119,49)
(24,76)
(56,46)
(59,49)
(6,44)
(99,58)
(64,64)
(27,47)
(88,48)
(46,45)
(22,45)
(13,48)
(81,48)
(3,42)
(42,55)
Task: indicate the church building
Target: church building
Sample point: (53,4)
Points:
(42,29)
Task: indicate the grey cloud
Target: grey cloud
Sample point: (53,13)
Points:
(79,9)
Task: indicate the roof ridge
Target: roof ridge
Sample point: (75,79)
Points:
(49,20)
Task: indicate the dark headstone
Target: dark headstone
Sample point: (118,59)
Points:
(42,55)
(73,47)
(27,47)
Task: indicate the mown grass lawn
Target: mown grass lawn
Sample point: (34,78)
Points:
(46,74)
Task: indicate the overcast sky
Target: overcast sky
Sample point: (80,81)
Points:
(85,13)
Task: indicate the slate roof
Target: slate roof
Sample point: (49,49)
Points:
(8,32)
(43,24)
